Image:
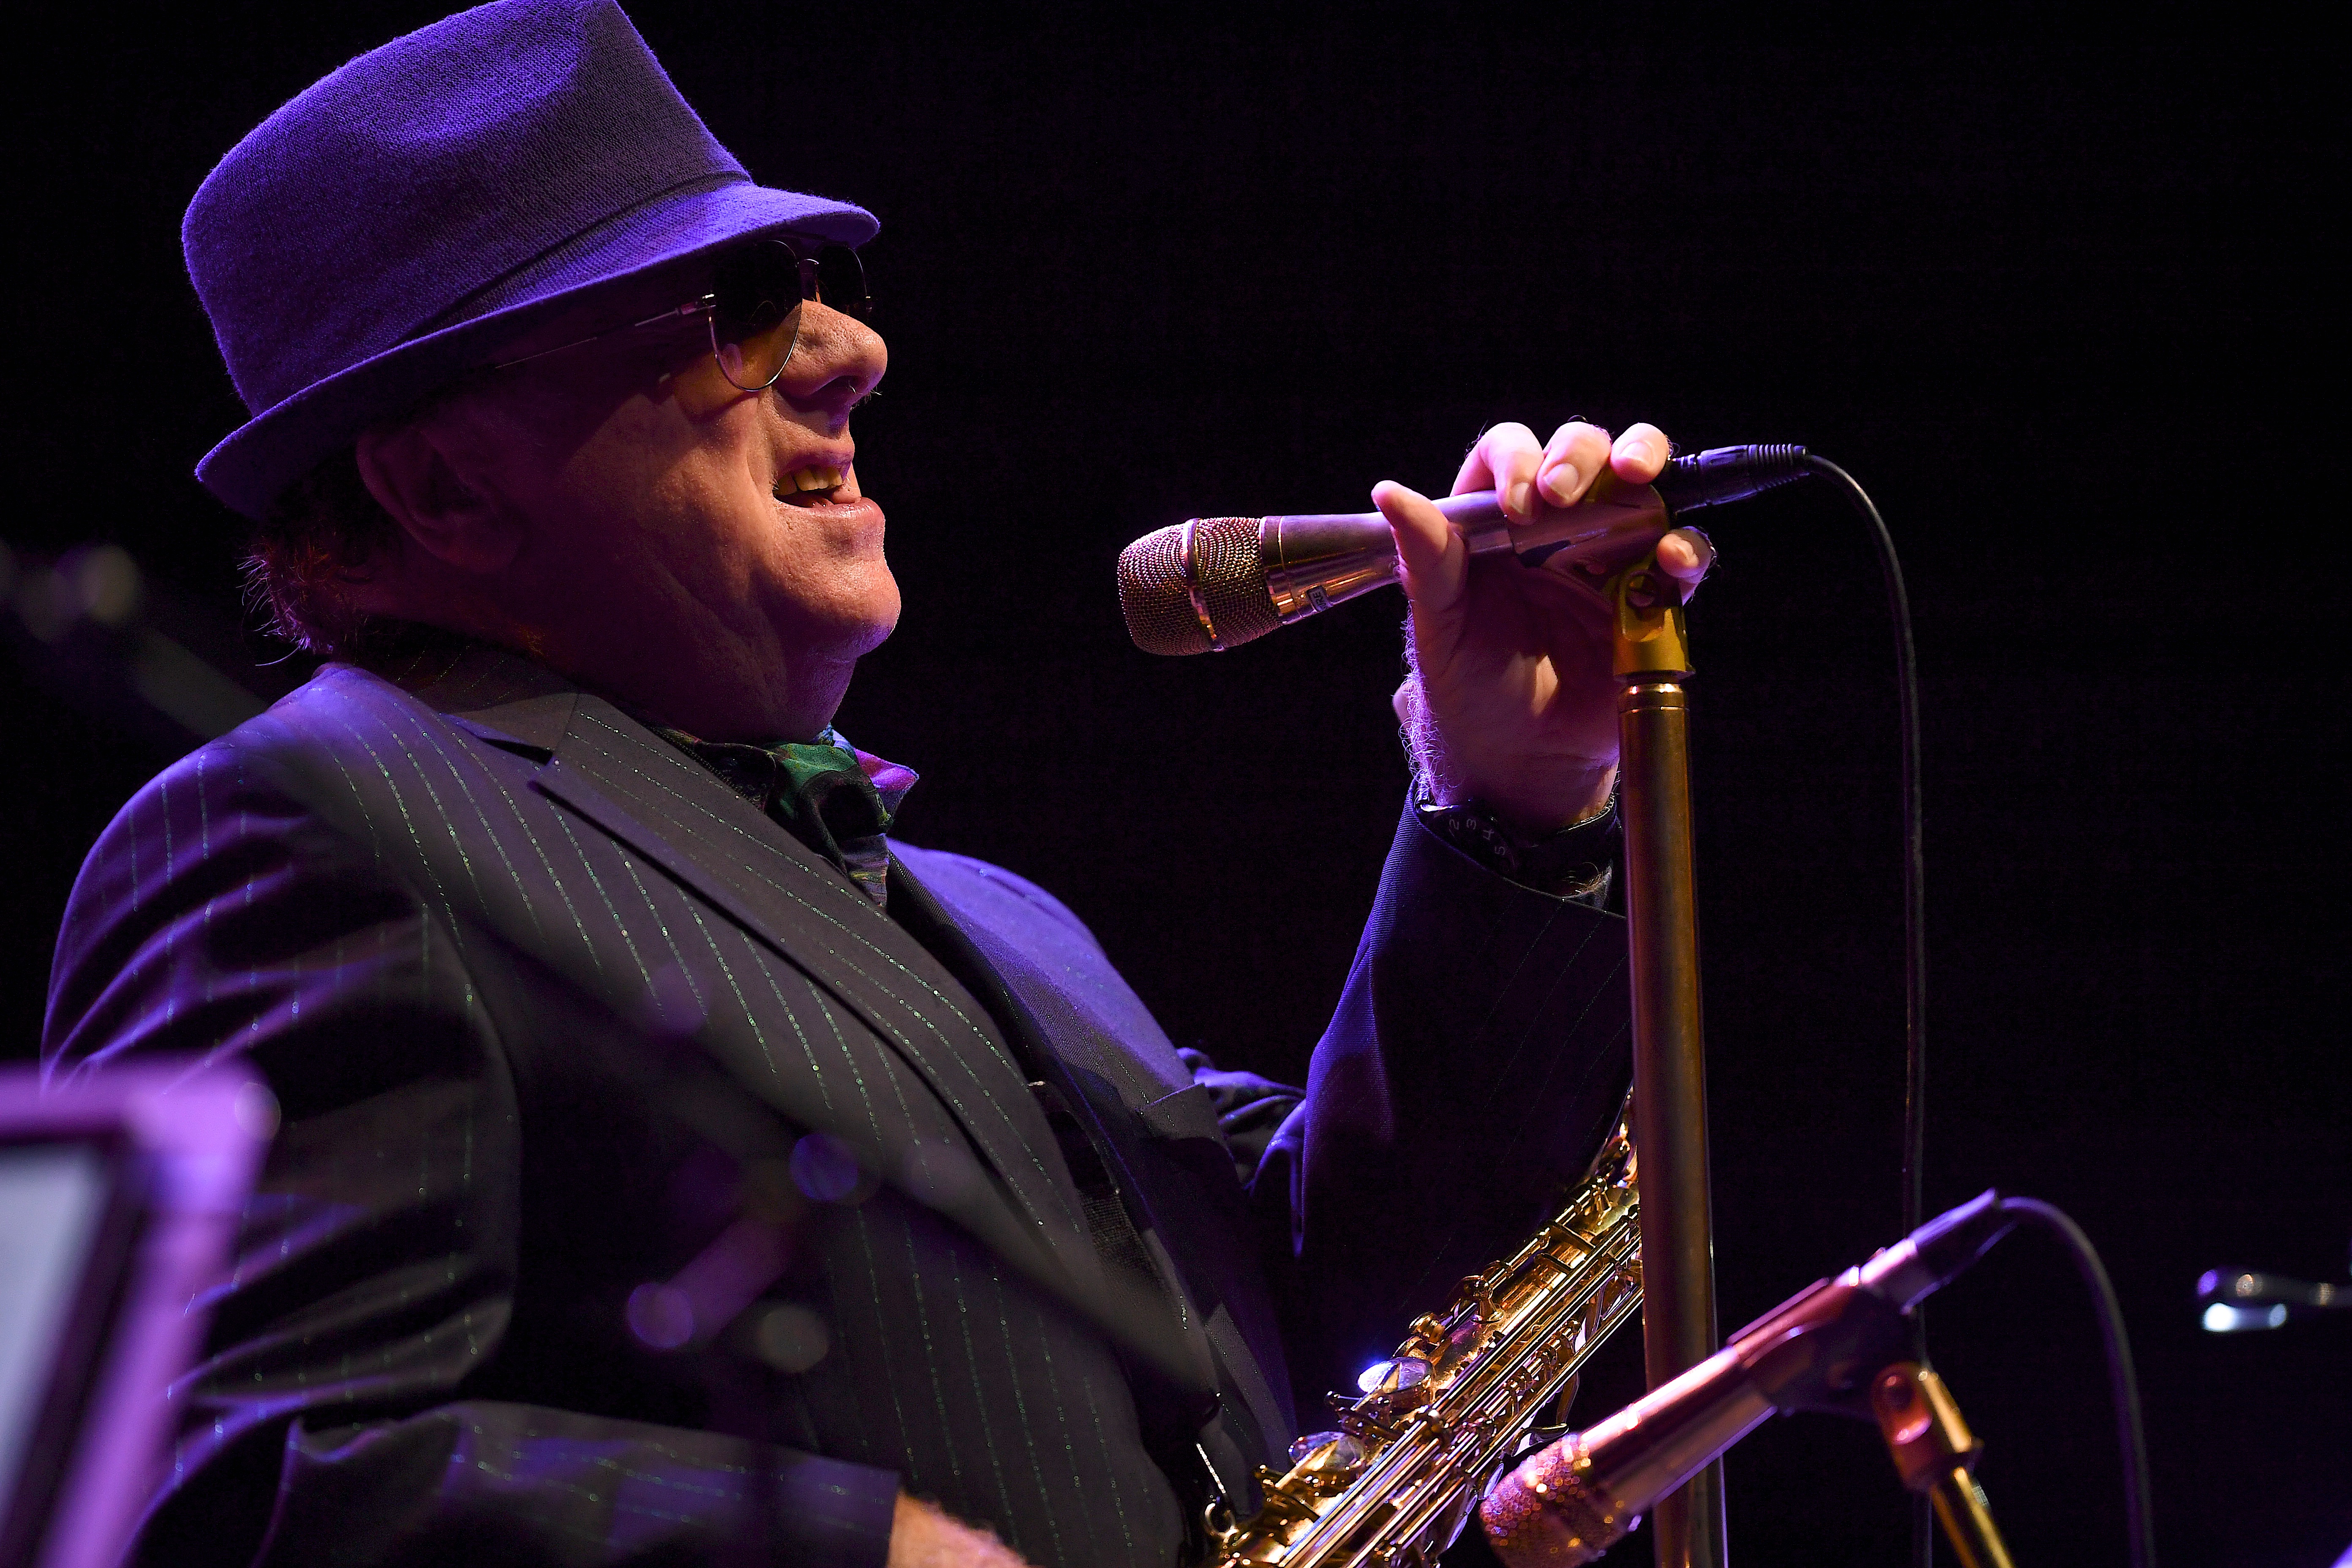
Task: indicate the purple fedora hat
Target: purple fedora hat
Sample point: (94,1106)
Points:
(390,228)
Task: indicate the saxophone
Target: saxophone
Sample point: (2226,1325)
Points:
(1394,1484)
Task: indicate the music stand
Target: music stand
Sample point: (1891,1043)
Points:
(120,1192)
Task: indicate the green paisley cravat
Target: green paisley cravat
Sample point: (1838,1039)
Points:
(821,793)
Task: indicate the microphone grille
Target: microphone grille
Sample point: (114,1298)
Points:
(1157,602)
(1153,596)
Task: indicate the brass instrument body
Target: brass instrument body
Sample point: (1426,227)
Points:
(1394,1485)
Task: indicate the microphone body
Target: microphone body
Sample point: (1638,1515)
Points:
(1816,1351)
(1219,582)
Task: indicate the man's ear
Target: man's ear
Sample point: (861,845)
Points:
(418,473)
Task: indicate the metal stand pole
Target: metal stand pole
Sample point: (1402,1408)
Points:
(1678,1323)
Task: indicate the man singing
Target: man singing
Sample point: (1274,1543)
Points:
(674,1166)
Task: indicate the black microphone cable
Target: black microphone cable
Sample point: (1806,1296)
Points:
(1914,930)
(1915,860)
(1734,473)
(2131,1434)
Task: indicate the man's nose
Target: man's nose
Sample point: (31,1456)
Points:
(837,360)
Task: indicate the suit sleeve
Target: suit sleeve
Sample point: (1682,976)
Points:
(1477,1055)
(334,1415)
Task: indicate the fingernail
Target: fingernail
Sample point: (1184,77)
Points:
(1633,451)
(1519,501)
(1561,484)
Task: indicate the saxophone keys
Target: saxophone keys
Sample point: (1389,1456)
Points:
(1327,1455)
(1400,1383)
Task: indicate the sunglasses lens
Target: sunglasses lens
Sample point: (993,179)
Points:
(754,358)
(755,319)
(841,281)
(756,313)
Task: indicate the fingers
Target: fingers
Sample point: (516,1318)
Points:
(1571,460)
(1434,563)
(1685,555)
(1504,460)
(1640,454)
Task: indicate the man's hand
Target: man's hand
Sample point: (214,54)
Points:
(1512,700)
(922,1536)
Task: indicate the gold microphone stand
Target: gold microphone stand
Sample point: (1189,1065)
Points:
(1678,1324)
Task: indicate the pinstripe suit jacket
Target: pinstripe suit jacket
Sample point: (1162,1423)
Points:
(578,1054)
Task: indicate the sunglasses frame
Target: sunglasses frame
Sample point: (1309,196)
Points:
(806,262)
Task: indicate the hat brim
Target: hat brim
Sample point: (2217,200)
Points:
(252,467)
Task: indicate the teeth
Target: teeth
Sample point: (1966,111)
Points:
(813,478)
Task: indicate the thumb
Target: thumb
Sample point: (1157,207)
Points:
(1431,557)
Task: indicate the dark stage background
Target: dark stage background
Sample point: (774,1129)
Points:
(2061,308)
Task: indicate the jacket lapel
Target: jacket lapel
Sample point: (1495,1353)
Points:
(642,792)
(687,821)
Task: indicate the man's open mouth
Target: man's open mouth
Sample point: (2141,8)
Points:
(805,487)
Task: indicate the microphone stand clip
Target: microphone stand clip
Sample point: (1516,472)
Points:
(1652,631)
(1934,1453)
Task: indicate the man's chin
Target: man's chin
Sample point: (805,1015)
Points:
(877,634)
(845,633)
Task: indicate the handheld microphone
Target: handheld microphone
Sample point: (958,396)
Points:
(1217,583)
(1814,1352)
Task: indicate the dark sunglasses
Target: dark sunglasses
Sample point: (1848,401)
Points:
(754,309)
